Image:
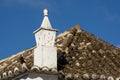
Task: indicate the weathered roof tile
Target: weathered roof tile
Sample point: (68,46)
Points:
(86,55)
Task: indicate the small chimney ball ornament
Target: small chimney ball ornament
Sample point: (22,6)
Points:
(45,12)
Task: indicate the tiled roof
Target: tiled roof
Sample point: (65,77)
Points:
(80,55)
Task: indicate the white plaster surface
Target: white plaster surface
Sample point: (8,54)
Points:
(45,56)
(45,37)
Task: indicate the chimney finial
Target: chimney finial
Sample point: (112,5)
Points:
(45,12)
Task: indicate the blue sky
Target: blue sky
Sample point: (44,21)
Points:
(19,18)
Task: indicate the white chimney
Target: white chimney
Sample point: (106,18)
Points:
(45,54)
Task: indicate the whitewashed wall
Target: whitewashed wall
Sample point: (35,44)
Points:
(45,56)
(35,76)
